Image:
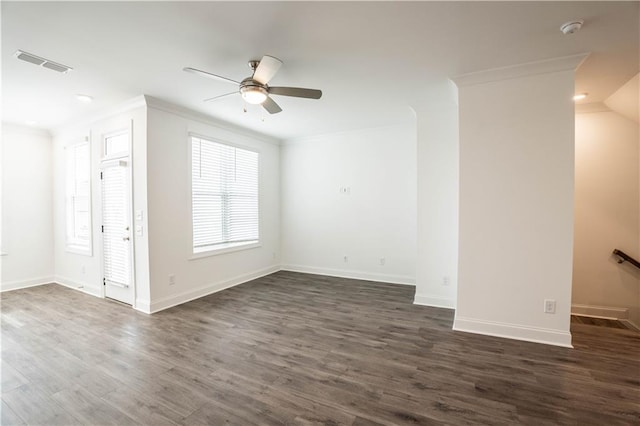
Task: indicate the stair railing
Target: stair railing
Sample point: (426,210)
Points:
(624,257)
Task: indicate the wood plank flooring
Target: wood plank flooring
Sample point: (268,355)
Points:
(300,349)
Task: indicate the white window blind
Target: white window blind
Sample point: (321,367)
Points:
(224,194)
(78,199)
(115,231)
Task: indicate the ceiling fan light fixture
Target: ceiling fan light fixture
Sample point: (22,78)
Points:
(254,94)
(254,89)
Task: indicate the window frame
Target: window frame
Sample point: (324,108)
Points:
(228,247)
(73,245)
(105,156)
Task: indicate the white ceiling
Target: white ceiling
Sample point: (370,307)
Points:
(372,60)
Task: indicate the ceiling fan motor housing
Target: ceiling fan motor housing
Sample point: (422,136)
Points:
(253,91)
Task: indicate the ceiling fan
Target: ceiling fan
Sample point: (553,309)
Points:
(255,90)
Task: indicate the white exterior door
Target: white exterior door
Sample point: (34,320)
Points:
(116,231)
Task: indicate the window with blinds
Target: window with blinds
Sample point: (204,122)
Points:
(224,195)
(78,198)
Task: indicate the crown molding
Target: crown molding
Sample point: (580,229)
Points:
(9,128)
(564,63)
(88,120)
(315,138)
(190,114)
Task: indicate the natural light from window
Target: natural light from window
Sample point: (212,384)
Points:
(224,196)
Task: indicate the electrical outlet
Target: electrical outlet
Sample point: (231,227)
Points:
(549,306)
(446,281)
(172,279)
(346,259)
(382,261)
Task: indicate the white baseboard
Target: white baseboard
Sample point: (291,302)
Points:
(357,275)
(513,331)
(607,312)
(142,306)
(76,285)
(180,298)
(32,282)
(434,301)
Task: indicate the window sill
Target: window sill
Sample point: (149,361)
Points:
(79,250)
(225,248)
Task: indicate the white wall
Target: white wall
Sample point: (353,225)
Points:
(437,156)
(624,101)
(516,202)
(27,237)
(169,198)
(85,272)
(375,219)
(607,216)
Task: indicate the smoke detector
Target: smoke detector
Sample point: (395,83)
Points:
(571,27)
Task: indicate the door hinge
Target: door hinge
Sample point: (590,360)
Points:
(102,228)
(104,281)
(100,175)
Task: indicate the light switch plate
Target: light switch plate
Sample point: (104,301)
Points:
(138,215)
(139,230)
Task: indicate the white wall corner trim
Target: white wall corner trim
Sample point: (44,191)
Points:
(521,70)
(434,301)
(513,331)
(180,298)
(356,275)
(93,290)
(18,284)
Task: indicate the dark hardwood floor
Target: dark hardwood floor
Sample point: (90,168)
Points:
(298,349)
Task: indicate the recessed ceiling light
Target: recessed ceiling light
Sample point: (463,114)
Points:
(84,98)
(580,96)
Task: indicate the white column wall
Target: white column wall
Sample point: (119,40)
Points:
(437,159)
(516,202)
(27,236)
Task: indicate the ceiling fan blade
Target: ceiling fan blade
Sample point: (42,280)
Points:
(297,92)
(267,68)
(219,96)
(209,75)
(271,106)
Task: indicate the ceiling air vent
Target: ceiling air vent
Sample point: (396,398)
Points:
(37,60)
